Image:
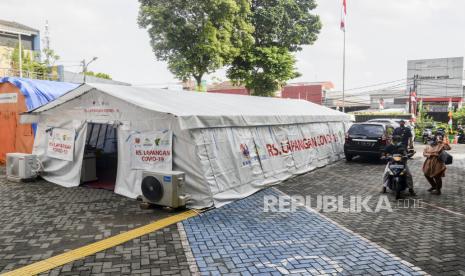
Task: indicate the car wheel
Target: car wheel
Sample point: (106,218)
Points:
(349,157)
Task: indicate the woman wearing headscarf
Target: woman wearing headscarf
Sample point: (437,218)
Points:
(434,168)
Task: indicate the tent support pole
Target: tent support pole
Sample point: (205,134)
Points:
(105,137)
(98,135)
(90,134)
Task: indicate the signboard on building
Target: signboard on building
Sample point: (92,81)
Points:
(440,77)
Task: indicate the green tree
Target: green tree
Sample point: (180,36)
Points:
(459,116)
(263,70)
(30,64)
(99,75)
(423,121)
(50,56)
(196,37)
(281,27)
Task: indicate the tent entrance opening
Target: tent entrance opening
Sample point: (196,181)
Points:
(100,162)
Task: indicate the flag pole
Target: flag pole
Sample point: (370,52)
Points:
(344,73)
(343,28)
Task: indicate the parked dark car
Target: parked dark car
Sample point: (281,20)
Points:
(367,139)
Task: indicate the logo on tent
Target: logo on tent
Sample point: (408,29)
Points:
(245,151)
(148,142)
(160,142)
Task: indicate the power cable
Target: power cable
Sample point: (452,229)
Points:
(376,84)
(370,92)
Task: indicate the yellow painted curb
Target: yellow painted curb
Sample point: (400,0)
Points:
(93,248)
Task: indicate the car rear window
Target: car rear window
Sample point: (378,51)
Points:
(368,130)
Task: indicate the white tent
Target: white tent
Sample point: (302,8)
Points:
(229,146)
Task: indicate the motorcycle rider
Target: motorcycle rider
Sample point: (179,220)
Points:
(461,134)
(397,147)
(405,133)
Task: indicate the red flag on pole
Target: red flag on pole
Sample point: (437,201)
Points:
(413,96)
(381,103)
(343,15)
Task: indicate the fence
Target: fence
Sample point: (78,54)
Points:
(9,72)
(365,117)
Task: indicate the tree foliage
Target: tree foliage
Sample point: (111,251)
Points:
(459,116)
(99,75)
(285,23)
(281,27)
(196,37)
(263,70)
(423,121)
(30,63)
(50,57)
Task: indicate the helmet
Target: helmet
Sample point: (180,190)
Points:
(440,132)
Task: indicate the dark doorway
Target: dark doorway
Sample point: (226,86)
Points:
(100,162)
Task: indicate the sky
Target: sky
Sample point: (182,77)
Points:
(381,36)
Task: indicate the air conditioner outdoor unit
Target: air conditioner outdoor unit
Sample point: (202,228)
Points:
(164,188)
(20,166)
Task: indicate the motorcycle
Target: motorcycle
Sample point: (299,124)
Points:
(397,174)
(441,131)
(411,152)
(461,137)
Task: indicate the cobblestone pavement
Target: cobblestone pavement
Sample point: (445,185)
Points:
(432,237)
(41,219)
(158,253)
(240,238)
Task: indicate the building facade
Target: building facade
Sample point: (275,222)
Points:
(437,83)
(436,78)
(227,87)
(389,99)
(310,91)
(13,34)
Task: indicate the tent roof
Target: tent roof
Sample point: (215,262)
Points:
(39,92)
(201,110)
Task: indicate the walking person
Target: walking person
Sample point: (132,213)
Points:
(434,168)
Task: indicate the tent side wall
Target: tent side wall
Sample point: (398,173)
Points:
(15,137)
(238,162)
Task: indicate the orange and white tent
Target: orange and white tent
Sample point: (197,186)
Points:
(18,95)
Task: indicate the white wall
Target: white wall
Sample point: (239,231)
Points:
(441,77)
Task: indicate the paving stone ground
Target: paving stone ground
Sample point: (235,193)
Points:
(428,237)
(241,239)
(40,219)
(158,253)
